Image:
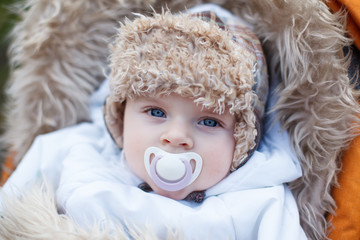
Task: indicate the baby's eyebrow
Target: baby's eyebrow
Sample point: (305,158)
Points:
(210,112)
(143,99)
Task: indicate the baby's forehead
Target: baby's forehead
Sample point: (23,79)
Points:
(170,98)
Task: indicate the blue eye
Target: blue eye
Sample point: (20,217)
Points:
(156,112)
(209,122)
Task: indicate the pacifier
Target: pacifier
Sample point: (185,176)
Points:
(171,171)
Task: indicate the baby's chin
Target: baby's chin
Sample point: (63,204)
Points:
(176,195)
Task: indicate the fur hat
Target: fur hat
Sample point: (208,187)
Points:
(219,67)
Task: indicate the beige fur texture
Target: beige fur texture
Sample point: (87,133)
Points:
(59,54)
(33,216)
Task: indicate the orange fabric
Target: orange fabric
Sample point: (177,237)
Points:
(7,168)
(346,221)
(353,19)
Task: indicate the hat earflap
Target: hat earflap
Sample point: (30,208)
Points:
(114,120)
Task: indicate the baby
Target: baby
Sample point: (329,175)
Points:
(186,100)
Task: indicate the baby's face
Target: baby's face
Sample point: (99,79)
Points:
(176,125)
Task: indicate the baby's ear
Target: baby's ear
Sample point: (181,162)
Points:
(114,120)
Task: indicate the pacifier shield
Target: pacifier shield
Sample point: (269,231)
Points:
(171,171)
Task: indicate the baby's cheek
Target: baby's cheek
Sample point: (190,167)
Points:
(136,164)
(217,166)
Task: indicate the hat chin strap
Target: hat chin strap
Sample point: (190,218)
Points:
(171,171)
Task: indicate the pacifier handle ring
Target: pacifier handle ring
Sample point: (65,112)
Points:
(171,186)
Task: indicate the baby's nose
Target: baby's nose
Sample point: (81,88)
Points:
(177,135)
